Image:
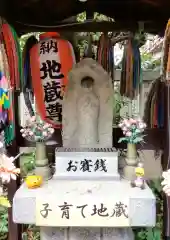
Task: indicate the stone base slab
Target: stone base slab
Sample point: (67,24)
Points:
(51,233)
(142,203)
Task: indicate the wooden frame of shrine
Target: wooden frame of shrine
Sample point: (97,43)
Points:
(49,15)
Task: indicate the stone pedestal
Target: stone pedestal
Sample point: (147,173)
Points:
(141,211)
(85,233)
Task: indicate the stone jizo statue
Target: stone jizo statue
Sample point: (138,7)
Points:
(88,107)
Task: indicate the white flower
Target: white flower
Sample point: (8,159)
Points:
(6,177)
(141,126)
(1,145)
(8,170)
(120,125)
(44,134)
(51,130)
(166,182)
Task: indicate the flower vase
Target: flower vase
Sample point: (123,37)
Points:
(41,161)
(131,162)
(131,154)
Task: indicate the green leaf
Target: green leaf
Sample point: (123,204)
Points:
(123,139)
(141,235)
(149,234)
(137,139)
(3,228)
(157,234)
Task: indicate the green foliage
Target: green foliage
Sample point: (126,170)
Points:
(3,223)
(148,62)
(27,163)
(148,234)
(24,38)
(32,233)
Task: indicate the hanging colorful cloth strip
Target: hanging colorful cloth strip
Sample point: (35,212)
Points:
(166,54)
(154,107)
(5,98)
(131,70)
(10,78)
(105,54)
(14,55)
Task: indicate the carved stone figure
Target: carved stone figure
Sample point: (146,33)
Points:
(88,114)
(88,107)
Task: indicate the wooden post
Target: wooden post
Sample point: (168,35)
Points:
(15,230)
(166,162)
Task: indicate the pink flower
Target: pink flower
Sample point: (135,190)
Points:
(126,123)
(128,134)
(132,121)
(46,126)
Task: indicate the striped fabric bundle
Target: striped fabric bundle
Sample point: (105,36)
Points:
(10,78)
(154,107)
(105,54)
(131,70)
(13,52)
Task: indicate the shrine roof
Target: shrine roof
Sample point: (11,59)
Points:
(44,15)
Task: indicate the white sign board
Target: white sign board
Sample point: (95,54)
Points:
(86,212)
(82,165)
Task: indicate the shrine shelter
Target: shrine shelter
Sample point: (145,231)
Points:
(60,16)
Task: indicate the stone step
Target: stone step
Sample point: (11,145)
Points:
(86,164)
